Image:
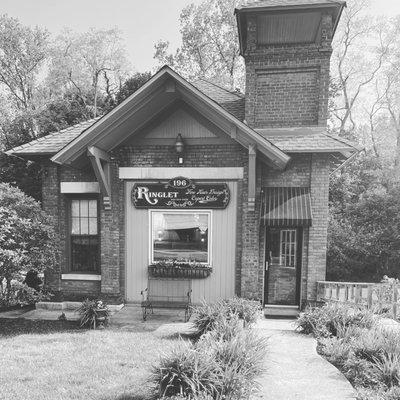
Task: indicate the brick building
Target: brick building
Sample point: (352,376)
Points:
(193,172)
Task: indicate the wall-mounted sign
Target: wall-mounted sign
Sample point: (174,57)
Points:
(180,193)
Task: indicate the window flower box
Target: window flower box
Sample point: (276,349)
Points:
(176,269)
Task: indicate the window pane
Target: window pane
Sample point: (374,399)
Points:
(84,224)
(180,236)
(84,253)
(92,226)
(75,208)
(84,208)
(93,208)
(75,230)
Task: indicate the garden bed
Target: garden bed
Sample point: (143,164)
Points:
(354,340)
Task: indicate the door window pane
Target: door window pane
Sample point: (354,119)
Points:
(288,248)
(180,236)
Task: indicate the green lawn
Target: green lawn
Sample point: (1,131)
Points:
(102,365)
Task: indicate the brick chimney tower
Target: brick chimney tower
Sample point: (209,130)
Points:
(286,45)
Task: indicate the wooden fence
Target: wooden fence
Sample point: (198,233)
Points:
(382,297)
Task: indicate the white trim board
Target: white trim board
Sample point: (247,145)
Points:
(80,277)
(79,187)
(224,173)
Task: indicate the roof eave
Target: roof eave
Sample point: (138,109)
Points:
(278,157)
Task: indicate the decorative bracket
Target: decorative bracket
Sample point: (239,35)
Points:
(101,165)
(252,177)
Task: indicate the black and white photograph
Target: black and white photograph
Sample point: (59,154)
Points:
(200,200)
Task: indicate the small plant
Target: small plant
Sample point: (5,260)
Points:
(247,310)
(93,313)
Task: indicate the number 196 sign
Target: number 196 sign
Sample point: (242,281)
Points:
(180,193)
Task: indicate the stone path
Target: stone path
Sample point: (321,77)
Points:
(294,369)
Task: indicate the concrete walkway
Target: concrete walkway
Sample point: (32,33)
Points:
(294,369)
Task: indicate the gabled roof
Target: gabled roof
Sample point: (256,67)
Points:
(162,90)
(53,142)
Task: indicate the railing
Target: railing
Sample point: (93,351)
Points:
(382,297)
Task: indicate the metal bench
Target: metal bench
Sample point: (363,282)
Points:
(167,293)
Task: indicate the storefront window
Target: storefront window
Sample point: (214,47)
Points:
(84,237)
(181,236)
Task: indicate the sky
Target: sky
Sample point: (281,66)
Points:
(142,22)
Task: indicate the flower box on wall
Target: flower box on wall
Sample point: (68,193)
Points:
(174,269)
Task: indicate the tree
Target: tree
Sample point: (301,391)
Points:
(91,65)
(210,45)
(131,85)
(361,47)
(23,55)
(27,237)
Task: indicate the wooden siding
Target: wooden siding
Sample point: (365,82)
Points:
(288,28)
(221,283)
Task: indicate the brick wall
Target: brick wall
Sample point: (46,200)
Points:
(287,85)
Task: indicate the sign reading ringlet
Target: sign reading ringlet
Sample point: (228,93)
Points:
(180,193)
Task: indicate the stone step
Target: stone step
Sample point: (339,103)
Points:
(277,310)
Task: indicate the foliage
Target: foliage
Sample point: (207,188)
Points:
(222,364)
(21,294)
(210,45)
(364,350)
(332,319)
(364,225)
(206,316)
(90,312)
(130,86)
(27,237)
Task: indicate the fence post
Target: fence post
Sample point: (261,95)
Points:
(369,297)
(357,294)
(394,301)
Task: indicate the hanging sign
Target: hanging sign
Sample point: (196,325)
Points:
(180,192)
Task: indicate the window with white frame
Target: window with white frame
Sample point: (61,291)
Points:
(288,247)
(84,235)
(180,236)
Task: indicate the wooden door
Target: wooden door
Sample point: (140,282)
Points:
(283,266)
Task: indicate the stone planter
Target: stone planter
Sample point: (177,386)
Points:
(161,271)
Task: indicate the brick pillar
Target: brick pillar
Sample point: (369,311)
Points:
(109,225)
(250,265)
(51,205)
(318,232)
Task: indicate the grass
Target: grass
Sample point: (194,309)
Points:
(77,364)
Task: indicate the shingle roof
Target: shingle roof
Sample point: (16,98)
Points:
(232,101)
(53,142)
(286,3)
(315,142)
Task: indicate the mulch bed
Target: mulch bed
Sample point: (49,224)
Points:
(20,326)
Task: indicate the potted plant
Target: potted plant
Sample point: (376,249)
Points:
(93,313)
(179,269)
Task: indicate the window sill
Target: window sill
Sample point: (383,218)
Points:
(81,277)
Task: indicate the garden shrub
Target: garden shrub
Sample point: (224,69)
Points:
(27,238)
(222,364)
(331,319)
(207,315)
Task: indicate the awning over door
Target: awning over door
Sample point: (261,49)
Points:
(286,206)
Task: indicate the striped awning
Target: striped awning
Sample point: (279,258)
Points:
(286,206)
